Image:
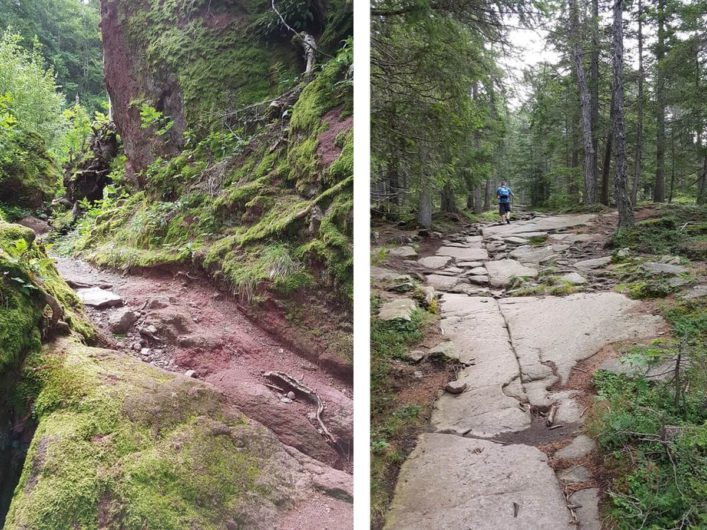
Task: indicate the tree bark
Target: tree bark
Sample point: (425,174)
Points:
(606,169)
(594,85)
(487,196)
(623,201)
(424,212)
(702,183)
(449,201)
(659,188)
(585,106)
(639,125)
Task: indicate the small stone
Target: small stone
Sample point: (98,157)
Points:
(121,320)
(574,278)
(580,446)
(415,355)
(434,262)
(405,287)
(574,475)
(455,387)
(281,351)
(145,352)
(151,329)
(589,264)
(285,400)
(403,252)
(135,346)
(417,374)
(190,373)
(291,395)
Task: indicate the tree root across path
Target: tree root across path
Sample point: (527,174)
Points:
(311,394)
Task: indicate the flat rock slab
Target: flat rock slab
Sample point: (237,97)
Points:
(399,309)
(460,483)
(578,448)
(470,264)
(574,475)
(99,298)
(566,330)
(663,268)
(478,332)
(698,291)
(515,240)
(403,252)
(501,271)
(588,508)
(535,255)
(574,278)
(444,283)
(435,262)
(591,264)
(660,372)
(464,254)
(539,224)
(381,274)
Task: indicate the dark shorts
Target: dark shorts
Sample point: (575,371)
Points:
(504,207)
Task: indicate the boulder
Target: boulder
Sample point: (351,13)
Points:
(121,321)
(398,309)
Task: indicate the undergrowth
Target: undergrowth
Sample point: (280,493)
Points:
(653,435)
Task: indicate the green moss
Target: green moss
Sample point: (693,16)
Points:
(28,174)
(123,444)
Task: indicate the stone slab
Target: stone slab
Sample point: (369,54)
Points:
(534,255)
(459,483)
(398,309)
(501,271)
(464,254)
(539,224)
(574,278)
(99,298)
(381,274)
(435,262)
(574,475)
(578,448)
(566,330)
(477,329)
(403,252)
(588,508)
(663,268)
(591,264)
(443,282)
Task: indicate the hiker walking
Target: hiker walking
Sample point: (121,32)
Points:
(504,194)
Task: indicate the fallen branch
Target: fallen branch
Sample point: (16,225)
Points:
(311,394)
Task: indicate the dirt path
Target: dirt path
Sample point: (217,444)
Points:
(181,322)
(507,447)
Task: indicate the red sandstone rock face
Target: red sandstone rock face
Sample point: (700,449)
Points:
(128,79)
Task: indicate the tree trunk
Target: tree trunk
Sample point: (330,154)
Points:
(594,84)
(672,168)
(424,213)
(487,196)
(659,188)
(606,169)
(702,183)
(623,201)
(449,202)
(639,126)
(585,106)
(478,203)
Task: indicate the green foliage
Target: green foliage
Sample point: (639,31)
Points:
(30,90)
(660,481)
(679,229)
(67,34)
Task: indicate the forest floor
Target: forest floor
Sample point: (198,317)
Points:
(179,321)
(523,314)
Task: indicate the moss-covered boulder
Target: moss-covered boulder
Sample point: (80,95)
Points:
(121,444)
(28,174)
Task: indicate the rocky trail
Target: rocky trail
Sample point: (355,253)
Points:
(506,447)
(182,323)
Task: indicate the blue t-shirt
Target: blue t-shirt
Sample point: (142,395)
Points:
(504,194)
